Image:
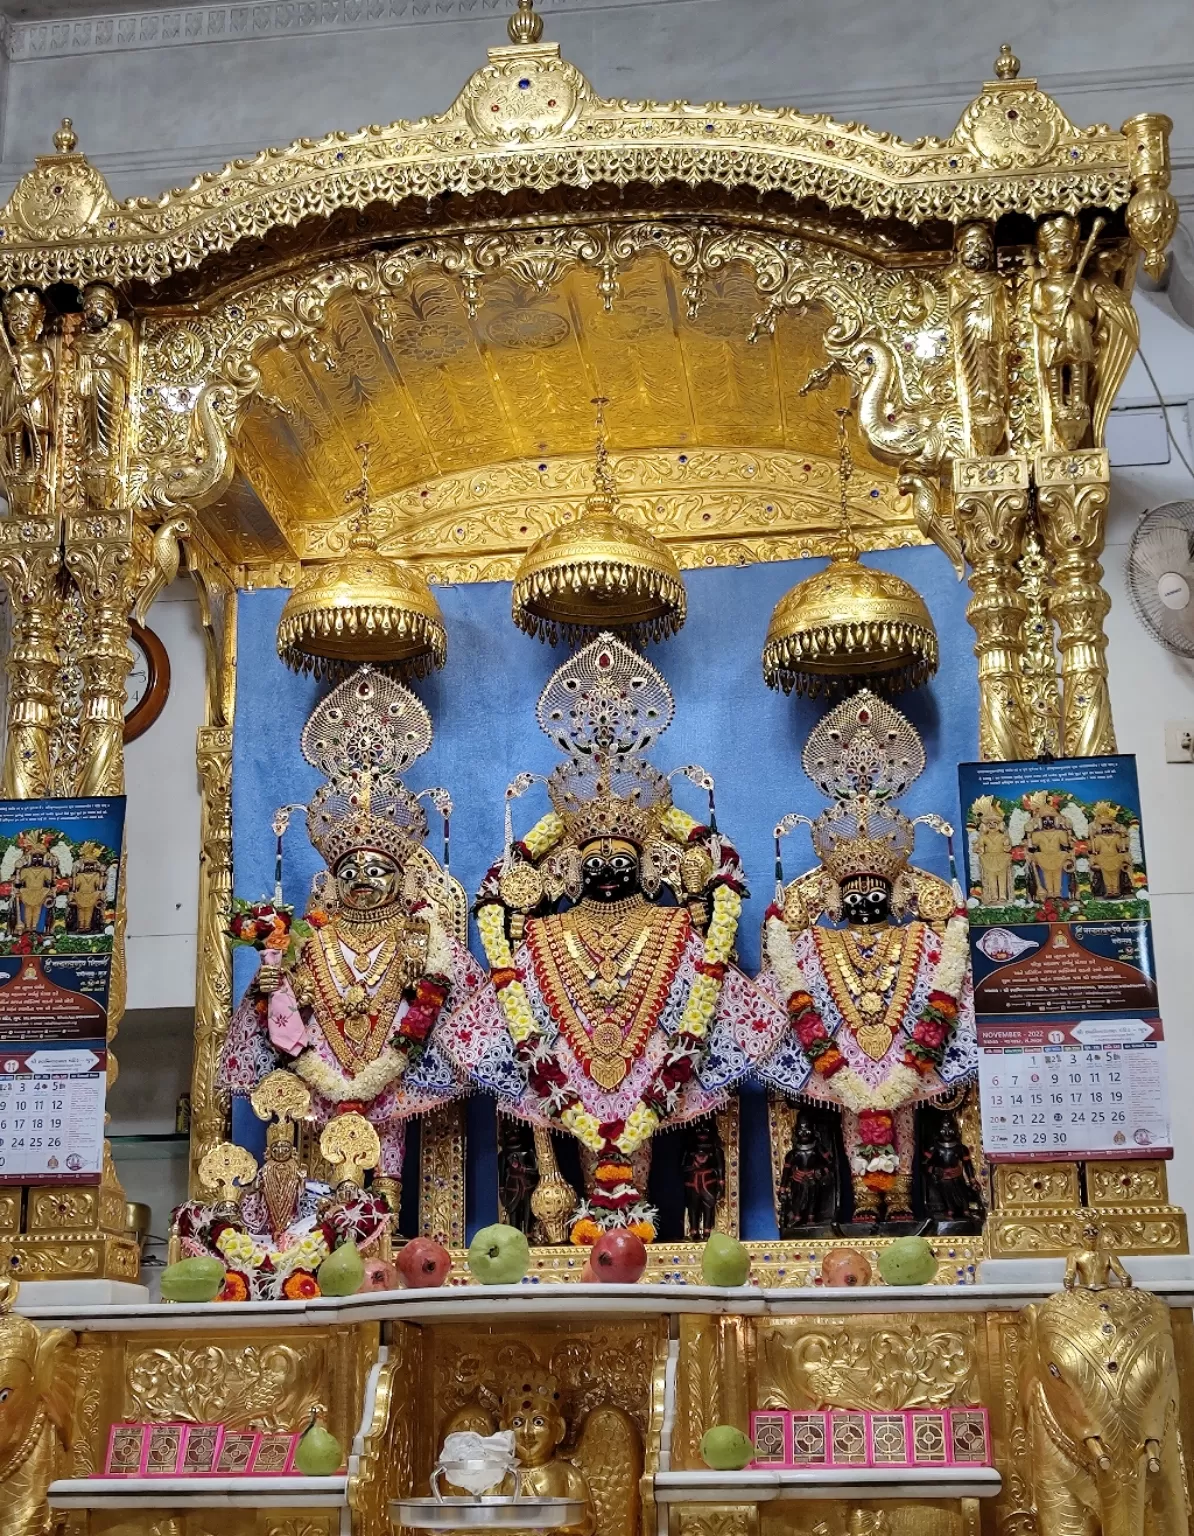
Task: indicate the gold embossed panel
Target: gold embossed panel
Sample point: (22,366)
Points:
(228,1378)
(866,1361)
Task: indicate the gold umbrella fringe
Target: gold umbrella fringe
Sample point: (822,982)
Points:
(792,662)
(599,579)
(297,635)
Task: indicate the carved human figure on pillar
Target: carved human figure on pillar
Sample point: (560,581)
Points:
(105,349)
(978,314)
(620,1014)
(355,1016)
(26,396)
(879,996)
(1064,310)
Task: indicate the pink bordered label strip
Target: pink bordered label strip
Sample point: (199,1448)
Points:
(913,1437)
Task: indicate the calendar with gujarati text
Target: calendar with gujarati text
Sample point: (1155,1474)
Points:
(52,1115)
(1088,1089)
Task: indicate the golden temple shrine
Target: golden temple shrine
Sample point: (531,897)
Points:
(757,1129)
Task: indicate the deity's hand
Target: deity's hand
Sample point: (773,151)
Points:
(269,979)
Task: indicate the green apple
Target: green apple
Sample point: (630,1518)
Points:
(341,1272)
(319,1453)
(726,1449)
(499,1255)
(907,1261)
(197,1279)
(724,1261)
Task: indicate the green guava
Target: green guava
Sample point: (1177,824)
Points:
(726,1449)
(341,1272)
(908,1261)
(197,1279)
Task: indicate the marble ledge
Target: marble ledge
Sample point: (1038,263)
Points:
(1032,1280)
(198,1493)
(750,1487)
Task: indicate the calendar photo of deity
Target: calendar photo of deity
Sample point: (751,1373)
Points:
(1071,1043)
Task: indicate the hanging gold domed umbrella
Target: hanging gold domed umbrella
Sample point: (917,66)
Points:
(850,624)
(365,606)
(599,572)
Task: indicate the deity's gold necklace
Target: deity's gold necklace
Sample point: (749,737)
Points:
(861,975)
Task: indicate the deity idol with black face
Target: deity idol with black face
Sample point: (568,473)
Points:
(609,930)
(355,1014)
(869,955)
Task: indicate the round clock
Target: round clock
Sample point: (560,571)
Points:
(148,683)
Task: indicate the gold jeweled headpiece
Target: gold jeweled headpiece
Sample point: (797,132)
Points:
(531,1392)
(363,737)
(604,707)
(864,754)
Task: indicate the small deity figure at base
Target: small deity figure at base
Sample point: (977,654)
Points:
(531,1409)
(621,1013)
(1094,1268)
(703,1169)
(805,1181)
(88,886)
(952,1193)
(33,883)
(880,1008)
(518,1174)
(354,1014)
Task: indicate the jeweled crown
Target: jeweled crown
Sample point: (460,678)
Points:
(363,736)
(603,708)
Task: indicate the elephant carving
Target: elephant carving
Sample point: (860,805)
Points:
(1100,1394)
(37,1385)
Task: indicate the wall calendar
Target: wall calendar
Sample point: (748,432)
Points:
(1071,1043)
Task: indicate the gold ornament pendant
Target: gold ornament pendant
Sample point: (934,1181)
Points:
(874,1039)
(607,1065)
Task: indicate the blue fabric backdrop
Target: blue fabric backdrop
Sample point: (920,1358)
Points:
(483,707)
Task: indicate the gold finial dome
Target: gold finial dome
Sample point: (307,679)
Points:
(66,140)
(1007,65)
(525,25)
(849,623)
(365,606)
(599,572)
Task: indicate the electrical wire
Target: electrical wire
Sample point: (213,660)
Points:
(1164,412)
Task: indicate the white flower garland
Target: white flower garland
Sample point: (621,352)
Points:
(241,1251)
(331,1083)
(853,1091)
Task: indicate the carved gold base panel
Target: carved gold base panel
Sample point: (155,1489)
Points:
(70,1256)
(1052,1231)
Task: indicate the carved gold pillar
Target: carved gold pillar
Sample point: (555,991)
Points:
(30,561)
(990,506)
(1073,490)
(99,555)
(213,982)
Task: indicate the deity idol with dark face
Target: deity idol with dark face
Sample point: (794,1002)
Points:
(355,1016)
(622,1012)
(879,996)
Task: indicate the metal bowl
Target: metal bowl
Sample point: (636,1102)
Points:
(492,1512)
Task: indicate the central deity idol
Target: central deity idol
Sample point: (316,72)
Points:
(355,1016)
(622,1010)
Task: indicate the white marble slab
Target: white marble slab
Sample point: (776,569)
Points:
(82,1293)
(750,1487)
(510,1302)
(198,1493)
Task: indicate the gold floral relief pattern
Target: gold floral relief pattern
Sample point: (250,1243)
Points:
(1030,1184)
(270,1384)
(881,1363)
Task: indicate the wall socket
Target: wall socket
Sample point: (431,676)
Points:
(1179,741)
